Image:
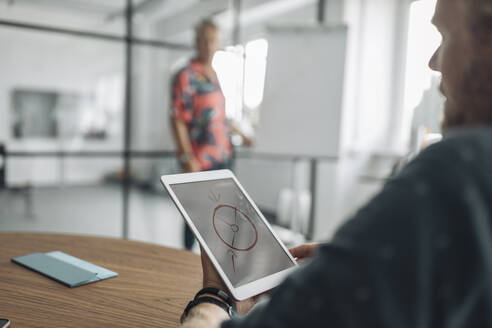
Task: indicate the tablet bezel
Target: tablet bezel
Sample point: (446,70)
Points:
(252,288)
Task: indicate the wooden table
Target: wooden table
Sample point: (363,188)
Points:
(153,287)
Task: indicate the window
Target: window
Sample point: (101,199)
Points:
(241,72)
(421,83)
(229,67)
(255,69)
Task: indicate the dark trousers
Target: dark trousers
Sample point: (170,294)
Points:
(189,238)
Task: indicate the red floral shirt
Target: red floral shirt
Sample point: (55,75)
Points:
(199,102)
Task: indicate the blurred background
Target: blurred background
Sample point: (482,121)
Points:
(336,94)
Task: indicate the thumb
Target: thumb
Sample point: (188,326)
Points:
(303,251)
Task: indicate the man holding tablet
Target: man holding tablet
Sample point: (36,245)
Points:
(419,254)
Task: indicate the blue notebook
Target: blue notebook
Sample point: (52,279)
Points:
(64,268)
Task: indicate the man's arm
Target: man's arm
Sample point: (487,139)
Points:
(181,135)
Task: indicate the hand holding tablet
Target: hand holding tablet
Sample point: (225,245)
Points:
(211,278)
(238,240)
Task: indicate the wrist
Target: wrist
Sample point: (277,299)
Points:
(213,303)
(219,292)
(217,286)
(215,296)
(205,315)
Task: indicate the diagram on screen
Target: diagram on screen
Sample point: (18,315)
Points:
(234,228)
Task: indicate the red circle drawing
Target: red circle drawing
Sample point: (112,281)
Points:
(235,228)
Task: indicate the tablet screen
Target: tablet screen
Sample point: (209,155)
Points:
(236,235)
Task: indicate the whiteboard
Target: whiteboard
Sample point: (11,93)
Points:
(302,108)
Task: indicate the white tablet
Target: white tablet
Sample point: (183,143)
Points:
(241,244)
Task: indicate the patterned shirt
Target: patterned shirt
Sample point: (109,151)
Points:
(199,102)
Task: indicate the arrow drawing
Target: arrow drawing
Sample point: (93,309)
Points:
(233,258)
(213,196)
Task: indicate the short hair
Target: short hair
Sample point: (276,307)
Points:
(480,19)
(202,25)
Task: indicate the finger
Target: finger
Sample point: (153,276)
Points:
(303,251)
(299,251)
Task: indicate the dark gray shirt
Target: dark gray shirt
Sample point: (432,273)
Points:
(418,255)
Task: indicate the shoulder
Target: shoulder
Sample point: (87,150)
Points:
(442,171)
(432,183)
(461,150)
(183,74)
(477,141)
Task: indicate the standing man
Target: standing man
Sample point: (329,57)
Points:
(198,116)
